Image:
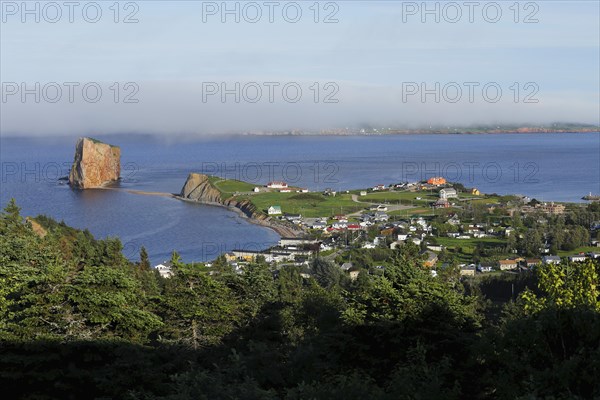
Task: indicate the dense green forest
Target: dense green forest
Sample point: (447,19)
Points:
(80,321)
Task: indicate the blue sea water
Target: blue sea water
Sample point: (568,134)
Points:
(549,167)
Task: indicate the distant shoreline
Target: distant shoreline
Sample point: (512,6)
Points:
(421,132)
(334,132)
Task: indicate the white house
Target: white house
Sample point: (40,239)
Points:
(165,269)
(422,222)
(448,193)
(256,189)
(379,240)
(277,185)
(292,241)
(454,220)
(381,216)
(577,258)
(551,260)
(319,225)
(434,247)
(274,210)
(402,237)
(346,266)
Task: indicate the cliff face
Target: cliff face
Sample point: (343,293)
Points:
(198,188)
(96,164)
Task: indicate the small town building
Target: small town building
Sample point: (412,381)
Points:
(247,255)
(165,269)
(532,262)
(435,247)
(551,260)
(274,210)
(431,259)
(402,237)
(319,225)
(506,265)
(293,217)
(277,185)
(353,273)
(508,231)
(288,241)
(485,267)
(454,220)
(577,258)
(441,203)
(346,266)
(448,193)
(553,209)
(436,181)
(467,270)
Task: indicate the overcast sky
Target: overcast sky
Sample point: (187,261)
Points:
(369,68)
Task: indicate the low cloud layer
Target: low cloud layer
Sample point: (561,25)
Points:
(194,108)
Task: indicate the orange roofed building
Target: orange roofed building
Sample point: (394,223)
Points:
(436,181)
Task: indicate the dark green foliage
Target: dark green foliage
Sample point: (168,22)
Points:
(78,321)
(326,274)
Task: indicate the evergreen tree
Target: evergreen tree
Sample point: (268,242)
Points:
(144,263)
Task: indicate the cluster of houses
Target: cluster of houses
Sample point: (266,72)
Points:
(392,234)
(524,264)
(547,208)
(431,183)
(445,195)
(376,214)
(281,187)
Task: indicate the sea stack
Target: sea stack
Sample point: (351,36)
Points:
(96,164)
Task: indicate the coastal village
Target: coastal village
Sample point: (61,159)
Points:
(454,228)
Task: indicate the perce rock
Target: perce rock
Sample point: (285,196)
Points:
(96,164)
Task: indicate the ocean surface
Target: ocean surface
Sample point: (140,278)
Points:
(548,167)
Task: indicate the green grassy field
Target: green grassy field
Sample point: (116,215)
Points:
(578,250)
(405,198)
(473,242)
(467,246)
(229,187)
(308,204)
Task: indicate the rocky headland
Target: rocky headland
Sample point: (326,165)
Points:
(199,189)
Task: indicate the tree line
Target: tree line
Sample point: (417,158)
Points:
(78,321)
